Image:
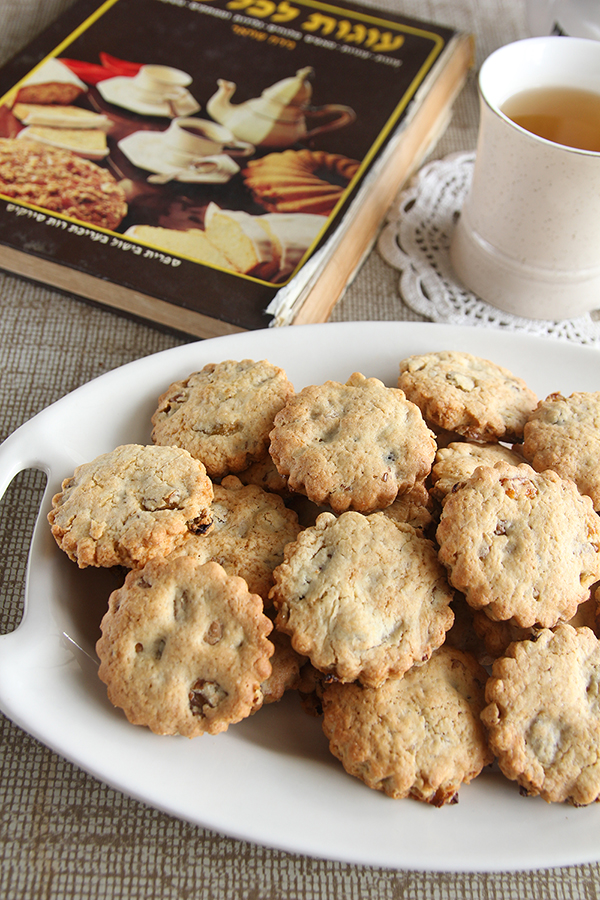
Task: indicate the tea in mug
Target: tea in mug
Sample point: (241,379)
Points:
(568,116)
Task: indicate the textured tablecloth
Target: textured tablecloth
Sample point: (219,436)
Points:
(62,833)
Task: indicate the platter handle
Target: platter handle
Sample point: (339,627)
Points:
(29,447)
(23,449)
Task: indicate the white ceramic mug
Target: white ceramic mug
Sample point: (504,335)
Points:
(188,139)
(155,84)
(528,237)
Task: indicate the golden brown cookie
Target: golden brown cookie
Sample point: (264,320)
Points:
(466,394)
(543,714)
(563,434)
(223,414)
(130,505)
(351,446)
(418,735)
(521,544)
(310,689)
(184,648)
(413,508)
(498,636)
(285,668)
(457,462)
(362,596)
(250,529)
(264,473)
(464,635)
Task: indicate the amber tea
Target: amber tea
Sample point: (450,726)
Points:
(568,116)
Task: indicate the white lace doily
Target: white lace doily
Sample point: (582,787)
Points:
(416,241)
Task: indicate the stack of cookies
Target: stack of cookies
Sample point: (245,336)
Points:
(418,562)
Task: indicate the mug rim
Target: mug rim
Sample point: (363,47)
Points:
(526,47)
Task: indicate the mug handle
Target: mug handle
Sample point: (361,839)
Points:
(345,116)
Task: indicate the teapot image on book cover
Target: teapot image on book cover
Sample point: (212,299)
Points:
(278,118)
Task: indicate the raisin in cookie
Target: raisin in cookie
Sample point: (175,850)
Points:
(130,505)
(543,714)
(418,735)
(563,433)
(468,395)
(362,596)
(223,414)
(250,529)
(521,544)
(184,648)
(351,446)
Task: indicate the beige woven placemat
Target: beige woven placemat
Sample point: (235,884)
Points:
(65,836)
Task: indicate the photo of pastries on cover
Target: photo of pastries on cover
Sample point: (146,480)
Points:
(419,564)
(126,146)
(295,189)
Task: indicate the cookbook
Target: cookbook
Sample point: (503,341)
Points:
(215,166)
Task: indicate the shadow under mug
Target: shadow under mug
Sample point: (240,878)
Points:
(528,237)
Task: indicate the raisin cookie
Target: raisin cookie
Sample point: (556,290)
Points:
(352,446)
(521,544)
(250,529)
(463,635)
(223,414)
(130,505)
(184,648)
(264,473)
(363,597)
(468,395)
(498,636)
(414,508)
(418,735)
(563,433)
(543,714)
(457,462)
(285,668)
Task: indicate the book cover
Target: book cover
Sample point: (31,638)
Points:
(186,160)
